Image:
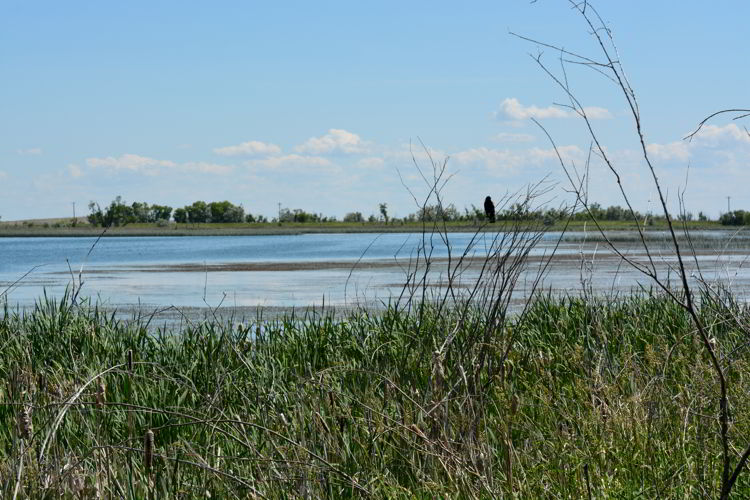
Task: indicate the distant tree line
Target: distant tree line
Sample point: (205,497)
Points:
(520,211)
(119,213)
(735,218)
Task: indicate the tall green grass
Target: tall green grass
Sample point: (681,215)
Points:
(613,398)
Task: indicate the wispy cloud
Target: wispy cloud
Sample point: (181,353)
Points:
(206,168)
(678,150)
(128,162)
(151,166)
(714,134)
(504,161)
(511,137)
(29,151)
(334,140)
(249,148)
(370,162)
(713,140)
(596,113)
(513,109)
(290,160)
(75,171)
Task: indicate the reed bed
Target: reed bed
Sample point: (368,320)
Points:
(596,398)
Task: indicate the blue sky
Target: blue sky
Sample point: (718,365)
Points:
(314,104)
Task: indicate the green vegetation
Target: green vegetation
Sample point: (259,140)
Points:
(118,213)
(612,397)
(735,218)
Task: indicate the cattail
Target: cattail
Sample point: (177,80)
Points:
(75,483)
(101,394)
(41,382)
(438,373)
(513,404)
(418,431)
(24,423)
(130,360)
(95,491)
(148,450)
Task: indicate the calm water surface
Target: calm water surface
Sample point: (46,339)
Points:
(127,271)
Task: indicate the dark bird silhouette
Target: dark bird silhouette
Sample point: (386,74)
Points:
(489,209)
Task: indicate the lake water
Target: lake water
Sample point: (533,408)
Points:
(302,270)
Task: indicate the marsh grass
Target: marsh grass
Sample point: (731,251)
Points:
(322,407)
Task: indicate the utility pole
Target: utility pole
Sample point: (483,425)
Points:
(74,214)
(279,212)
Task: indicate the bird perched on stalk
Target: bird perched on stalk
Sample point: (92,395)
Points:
(489,209)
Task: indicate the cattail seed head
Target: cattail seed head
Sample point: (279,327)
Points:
(101,394)
(148,450)
(513,404)
(130,360)
(438,372)
(25,427)
(75,483)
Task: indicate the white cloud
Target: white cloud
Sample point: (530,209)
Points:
(370,162)
(290,160)
(410,152)
(151,166)
(334,140)
(671,151)
(30,151)
(713,134)
(567,153)
(75,170)
(491,158)
(206,168)
(249,148)
(513,109)
(506,161)
(597,113)
(132,162)
(727,142)
(511,137)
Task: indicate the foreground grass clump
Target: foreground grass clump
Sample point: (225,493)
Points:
(615,398)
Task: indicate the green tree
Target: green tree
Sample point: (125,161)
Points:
(224,211)
(140,212)
(180,215)
(159,212)
(735,218)
(384,211)
(353,217)
(199,211)
(96,217)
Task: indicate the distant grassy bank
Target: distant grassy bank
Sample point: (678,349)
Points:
(602,399)
(64,227)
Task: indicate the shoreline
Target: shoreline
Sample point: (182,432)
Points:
(24,230)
